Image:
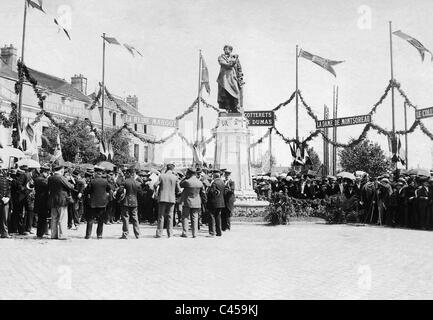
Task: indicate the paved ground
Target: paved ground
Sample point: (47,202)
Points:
(253,261)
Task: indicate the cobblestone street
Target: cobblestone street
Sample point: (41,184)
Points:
(253,261)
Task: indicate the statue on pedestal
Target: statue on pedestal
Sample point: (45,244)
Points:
(230,81)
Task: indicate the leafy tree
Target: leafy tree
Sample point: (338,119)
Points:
(120,143)
(365,156)
(314,157)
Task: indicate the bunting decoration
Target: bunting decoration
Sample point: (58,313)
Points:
(111,40)
(36,4)
(414,42)
(131,49)
(324,63)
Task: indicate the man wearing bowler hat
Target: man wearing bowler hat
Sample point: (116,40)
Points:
(192,196)
(98,192)
(59,190)
(130,189)
(229,197)
(216,203)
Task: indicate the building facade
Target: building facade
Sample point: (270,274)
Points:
(66,100)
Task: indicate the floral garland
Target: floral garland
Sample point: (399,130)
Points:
(145,140)
(354,142)
(96,99)
(307,107)
(382,98)
(403,94)
(23,70)
(13,116)
(260,140)
(425,130)
(111,98)
(207,105)
(188,111)
(286,102)
(93,129)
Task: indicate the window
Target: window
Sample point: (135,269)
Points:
(135,127)
(114,119)
(144,128)
(136,151)
(146,153)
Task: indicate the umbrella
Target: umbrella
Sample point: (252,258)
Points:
(7,152)
(360,173)
(346,175)
(420,172)
(29,163)
(106,165)
(86,166)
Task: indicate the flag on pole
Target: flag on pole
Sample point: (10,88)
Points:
(112,40)
(324,63)
(131,49)
(64,30)
(58,150)
(36,4)
(204,75)
(418,45)
(197,154)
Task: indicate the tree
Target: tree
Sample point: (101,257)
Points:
(76,137)
(120,141)
(314,157)
(364,156)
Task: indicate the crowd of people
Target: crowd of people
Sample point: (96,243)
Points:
(53,199)
(397,199)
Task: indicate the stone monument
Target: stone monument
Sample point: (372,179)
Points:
(232,134)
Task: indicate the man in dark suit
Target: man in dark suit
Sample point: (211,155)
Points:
(59,190)
(168,187)
(41,201)
(229,198)
(20,197)
(5,196)
(97,192)
(131,188)
(192,195)
(216,203)
(422,202)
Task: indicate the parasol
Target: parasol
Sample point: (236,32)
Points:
(29,163)
(346,175)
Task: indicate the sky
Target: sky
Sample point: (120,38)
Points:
(264,33)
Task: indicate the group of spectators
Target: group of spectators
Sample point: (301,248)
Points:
(52,199)
(397,199)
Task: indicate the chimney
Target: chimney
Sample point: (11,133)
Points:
(132,100)
(79,82)
(9,57)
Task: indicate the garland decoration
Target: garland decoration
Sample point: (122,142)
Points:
(425,130)
(382,98)
(207,105)
(111,98)
(93,129)
(96,99)
(23,70)
(286,102)
(7,122)
(145,140)
(403,94)
(307,107)
(188,111)
(260,140)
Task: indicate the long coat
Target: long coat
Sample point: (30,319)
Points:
(58,191)
(193,192)
(216,194)
(41,195)
(98,191)
(227,77)
(168,185)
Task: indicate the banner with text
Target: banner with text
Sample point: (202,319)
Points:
(339,122)
(424,113)
(260,118)
(151,121)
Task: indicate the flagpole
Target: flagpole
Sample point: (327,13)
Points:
(405,136)
(270,150)
(103,84)
(198,96)
(297,100)
(392,79)
(20,96)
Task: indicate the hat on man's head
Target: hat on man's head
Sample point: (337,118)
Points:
(58,167)
(402,180)
(191,170)
(45,168)
(384,180)
(24,167)
(227,172)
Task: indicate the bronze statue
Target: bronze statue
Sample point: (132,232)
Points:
(230,81)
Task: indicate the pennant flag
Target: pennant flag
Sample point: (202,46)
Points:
(58,150)
(418,45)
(36,4)
(112,40)
(131,49)
(204,75)
(324,63)
(197,155)
(64,30)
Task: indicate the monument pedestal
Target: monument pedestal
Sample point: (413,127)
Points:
(232,153)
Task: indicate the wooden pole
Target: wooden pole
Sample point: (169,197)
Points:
(297,99)
(103,84)
(325,144)
(198,95)
(20,96)
(270,150)
(405,136)
(334,133)
(392,88)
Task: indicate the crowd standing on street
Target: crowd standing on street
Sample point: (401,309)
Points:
(397,199)
(56,200)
